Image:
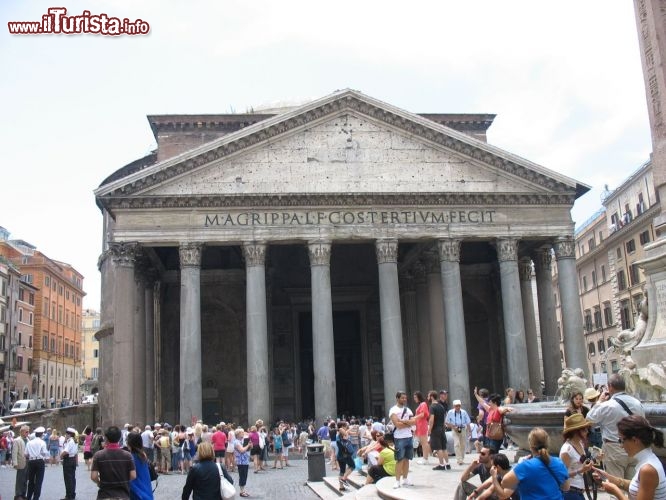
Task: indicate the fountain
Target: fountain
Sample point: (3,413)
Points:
(646,383)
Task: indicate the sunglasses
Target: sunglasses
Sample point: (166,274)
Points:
(483,454)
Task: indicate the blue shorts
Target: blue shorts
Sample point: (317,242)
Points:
(404,449)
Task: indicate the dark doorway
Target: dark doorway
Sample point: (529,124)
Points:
(348,363)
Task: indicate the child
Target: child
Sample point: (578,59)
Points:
(475,437)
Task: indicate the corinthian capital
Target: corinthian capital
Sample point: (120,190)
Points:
(320,253)
(542,259)
(564,248)
(507,249)
(386,250)
(449,250)
(190,254)
(124,254)
(525,269)
(254,253)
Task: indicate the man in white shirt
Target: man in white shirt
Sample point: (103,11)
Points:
(69,456)
(36,452)
(147,442)
(606,415)
(457,420)
(402,419)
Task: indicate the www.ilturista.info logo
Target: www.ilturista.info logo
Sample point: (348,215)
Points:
(57,22)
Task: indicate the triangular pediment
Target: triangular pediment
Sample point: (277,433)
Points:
(346,143)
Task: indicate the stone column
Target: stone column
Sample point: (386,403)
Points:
(411,332)
(454,316)
(149,299)
(423,322)
(550,339)
(438,352)
(575,353)
(124,256)
(525,271)
(512,307)
(139,334)
(258,384)
(323,344)
(190,333)
(157,345)
(393,359)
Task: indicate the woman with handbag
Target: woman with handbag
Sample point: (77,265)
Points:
(141,487)
(204,479)
(538,478)
(494,428)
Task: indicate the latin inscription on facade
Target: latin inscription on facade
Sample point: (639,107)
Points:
(349,217)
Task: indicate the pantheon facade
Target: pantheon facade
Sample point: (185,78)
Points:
(313,260)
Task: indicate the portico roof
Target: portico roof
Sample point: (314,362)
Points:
(143,183)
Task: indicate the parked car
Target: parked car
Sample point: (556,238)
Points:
(23,406)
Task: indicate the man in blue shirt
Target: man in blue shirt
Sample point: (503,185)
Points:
(457,420)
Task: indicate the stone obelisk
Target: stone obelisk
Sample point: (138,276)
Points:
(651,24)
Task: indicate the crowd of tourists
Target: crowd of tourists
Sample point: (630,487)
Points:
(608,444)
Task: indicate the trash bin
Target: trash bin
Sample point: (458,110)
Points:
(316,462)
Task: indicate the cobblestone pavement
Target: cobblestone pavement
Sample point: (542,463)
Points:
(272,484)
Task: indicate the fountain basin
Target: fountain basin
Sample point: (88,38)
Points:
(550,416)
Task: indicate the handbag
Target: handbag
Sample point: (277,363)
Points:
(152,472)
(358,463)
(495,431)
(226,488)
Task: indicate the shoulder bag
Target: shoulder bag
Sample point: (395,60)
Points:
(226,488)
(495,430)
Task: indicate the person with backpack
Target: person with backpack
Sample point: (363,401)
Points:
(286,443)
(97,442)
(345,457)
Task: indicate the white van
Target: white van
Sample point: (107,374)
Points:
(23,405)
(89,399)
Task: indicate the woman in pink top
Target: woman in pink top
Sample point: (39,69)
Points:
(255,451)
(87,442)
(422,417)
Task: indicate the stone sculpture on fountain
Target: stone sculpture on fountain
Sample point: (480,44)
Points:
(571,381)
(647,383)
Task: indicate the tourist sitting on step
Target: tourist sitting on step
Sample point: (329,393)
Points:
(370,452)
(480,466)
(500,468)
(385,466)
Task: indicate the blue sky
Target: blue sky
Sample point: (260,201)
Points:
(563,78)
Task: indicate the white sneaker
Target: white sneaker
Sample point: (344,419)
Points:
(406,481)
(420,461)
(396,485)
